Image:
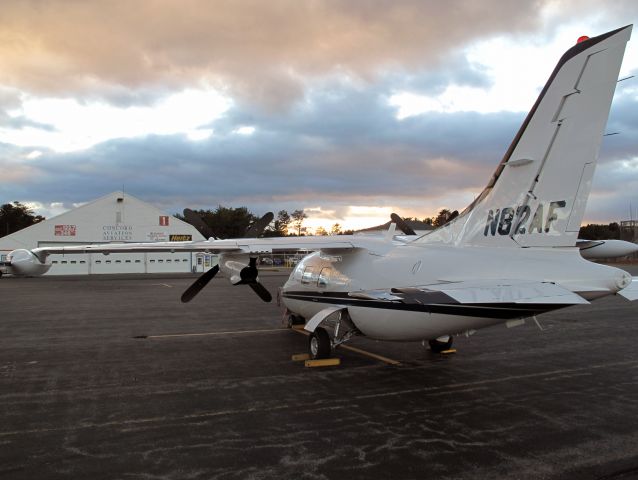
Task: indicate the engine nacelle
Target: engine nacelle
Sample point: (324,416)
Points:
(25,263)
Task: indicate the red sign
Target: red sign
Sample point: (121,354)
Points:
(164,220)
(65,230)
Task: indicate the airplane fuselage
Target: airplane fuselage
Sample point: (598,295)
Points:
(321,280)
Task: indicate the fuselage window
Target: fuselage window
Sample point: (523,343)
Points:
(324,276)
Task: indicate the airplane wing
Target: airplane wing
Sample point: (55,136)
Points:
(239,245)
(601,249)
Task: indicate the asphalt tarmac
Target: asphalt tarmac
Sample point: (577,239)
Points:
(108,377)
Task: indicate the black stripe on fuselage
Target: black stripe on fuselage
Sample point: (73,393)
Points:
(502,311)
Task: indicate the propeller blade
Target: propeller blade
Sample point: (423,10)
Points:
(196,221)
(260,290)
(249,277)
(200,283)
(258,226)
(402,224)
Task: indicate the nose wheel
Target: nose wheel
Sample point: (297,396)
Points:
(319,344)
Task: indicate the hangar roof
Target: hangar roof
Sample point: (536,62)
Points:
(116,217)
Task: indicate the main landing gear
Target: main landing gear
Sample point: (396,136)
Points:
(441,344)
(319,344)
(322,342)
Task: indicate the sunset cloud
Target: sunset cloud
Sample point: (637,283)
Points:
(400,106)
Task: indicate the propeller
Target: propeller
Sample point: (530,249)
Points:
(196,221)
(249,277)
(200,283)
(258,226)
(402,224)
(247,274)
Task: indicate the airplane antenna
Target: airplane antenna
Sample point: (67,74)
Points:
(626,78)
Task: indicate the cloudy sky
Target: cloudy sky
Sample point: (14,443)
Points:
(347,109)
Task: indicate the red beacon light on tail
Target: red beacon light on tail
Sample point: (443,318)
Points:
(582,38)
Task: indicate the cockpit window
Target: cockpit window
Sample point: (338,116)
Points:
(298,271)
(307,275)
(324,276)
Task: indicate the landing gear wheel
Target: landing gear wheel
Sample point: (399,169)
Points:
(439,345)
(319,344)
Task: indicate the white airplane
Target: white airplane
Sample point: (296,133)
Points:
(510,255)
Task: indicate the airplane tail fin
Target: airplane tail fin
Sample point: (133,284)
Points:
(537,195)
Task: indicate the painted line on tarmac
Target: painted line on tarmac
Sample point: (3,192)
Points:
(381,358)
(360,351)
(209,334)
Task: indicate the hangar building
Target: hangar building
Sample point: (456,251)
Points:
(118,218)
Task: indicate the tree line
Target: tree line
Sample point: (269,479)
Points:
(16,216)
(229,222)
